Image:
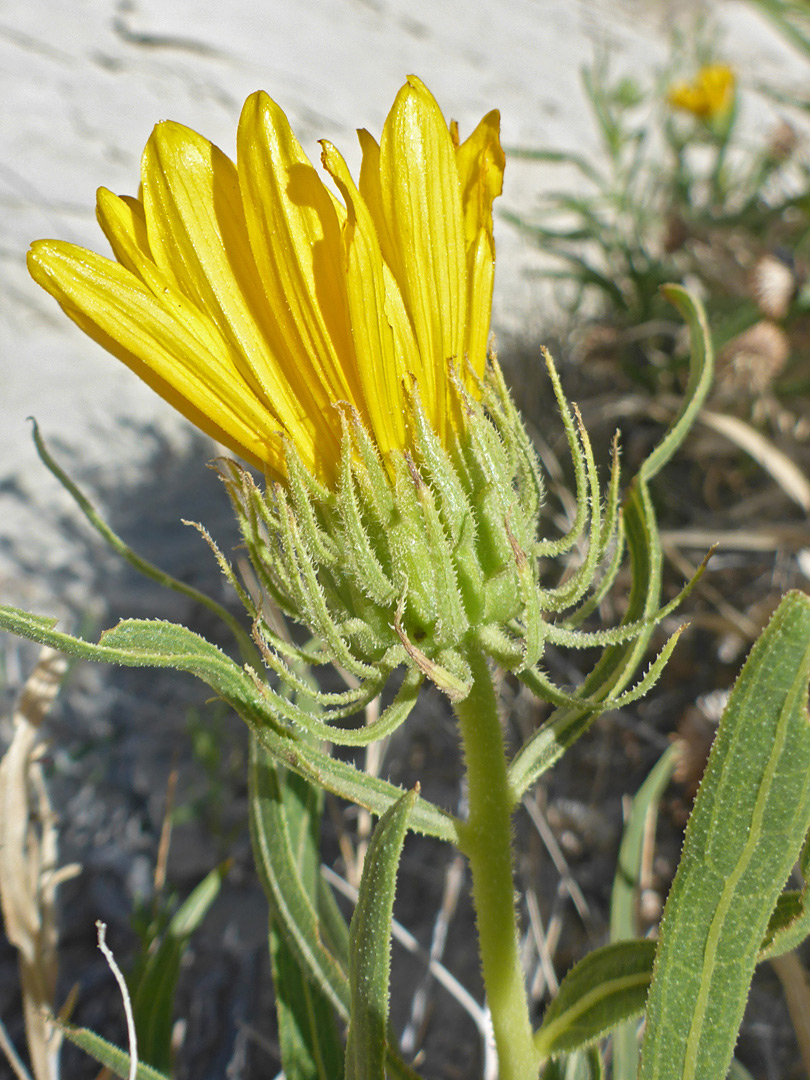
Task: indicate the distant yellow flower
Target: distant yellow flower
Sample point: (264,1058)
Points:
(710,94)
(253,299)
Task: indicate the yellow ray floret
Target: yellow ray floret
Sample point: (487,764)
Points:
(709,95)
(253,299)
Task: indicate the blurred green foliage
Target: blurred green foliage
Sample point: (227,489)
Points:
(684,189)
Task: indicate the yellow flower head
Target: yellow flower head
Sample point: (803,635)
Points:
(253,299)
(709,95)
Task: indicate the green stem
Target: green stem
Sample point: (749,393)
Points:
(486,840)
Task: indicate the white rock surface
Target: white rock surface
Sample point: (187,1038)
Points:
(82,84)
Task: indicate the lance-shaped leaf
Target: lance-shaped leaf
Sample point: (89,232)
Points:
(744,835)
(334,929)
(107,1054)
(311,1048)
(701,374)
(623,898)
(581,1065)
(285,813)
(291,904)
(153,994)
(605,988)
(370,945)
(625,883)
(143,643)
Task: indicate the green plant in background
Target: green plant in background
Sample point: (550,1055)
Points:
(164,936)
(681,194)
(791,18)
(221,757)
(341,347)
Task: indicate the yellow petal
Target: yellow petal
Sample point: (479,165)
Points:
(170,345)
(480,162)
(370,189)
(481,278)
(295,236)
(422,204)
(384,343)
(198,235)
(123,222)
(120,221)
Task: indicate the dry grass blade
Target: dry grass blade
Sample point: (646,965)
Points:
(788,475)
(788,536)
(567,880)
(546,977)
(453,883)
(101,928)
(29,875)
(13,1058)
(784,471)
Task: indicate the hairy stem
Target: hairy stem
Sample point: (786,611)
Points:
(486,840)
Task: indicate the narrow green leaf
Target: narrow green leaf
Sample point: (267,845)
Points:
(592,1065)
(605,988)
(303,809)
(625,883)
(563,157)
(195,907)
(291,904)
(370,945)
(284,812)
(397,1069)
(623,898)
(311,1048)
(107,1054)
(144,643)
(581,1065)
(153,995)
(784,18)
(701,374)
(143,566)
(153,1005)
(349,783)
(334,928)
(744,835)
